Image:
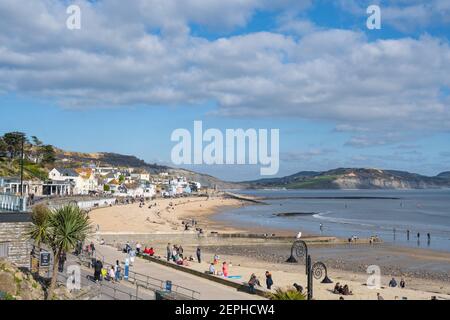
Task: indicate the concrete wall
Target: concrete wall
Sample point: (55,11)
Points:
(185,239)
(13,235)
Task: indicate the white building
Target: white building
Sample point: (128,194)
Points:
(82,181)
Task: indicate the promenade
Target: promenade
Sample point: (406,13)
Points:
(208,290)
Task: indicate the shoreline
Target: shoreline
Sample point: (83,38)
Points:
(346,262)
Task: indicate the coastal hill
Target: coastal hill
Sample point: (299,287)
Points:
(77,159)
(444,175)
(353,178)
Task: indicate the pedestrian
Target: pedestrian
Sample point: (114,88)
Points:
(117,270)
(62,260)
(92,249)
(199,255)
(169,252)
(97,270)
(379,297)
(402,283)
(111,274)
(252,283)
(269,281)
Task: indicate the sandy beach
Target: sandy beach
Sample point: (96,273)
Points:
(426,272)
(164,215)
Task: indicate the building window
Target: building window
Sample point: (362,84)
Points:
(4,250)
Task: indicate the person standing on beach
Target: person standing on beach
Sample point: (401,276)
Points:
(225,269)
(199,255)
(169,252)
(269,281)
(117,270)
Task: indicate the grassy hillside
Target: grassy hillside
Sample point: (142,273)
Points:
(31,170)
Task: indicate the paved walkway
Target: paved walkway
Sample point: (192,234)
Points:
(208,290)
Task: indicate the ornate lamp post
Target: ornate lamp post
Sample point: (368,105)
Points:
(317,270)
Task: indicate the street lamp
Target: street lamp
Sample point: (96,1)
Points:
(315,270)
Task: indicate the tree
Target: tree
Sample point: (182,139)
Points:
(48,154)
(106,188)
(13,142)
(3,148)
(39,229)
(36,141)
(63,229)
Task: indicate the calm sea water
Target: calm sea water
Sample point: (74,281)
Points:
(420,211)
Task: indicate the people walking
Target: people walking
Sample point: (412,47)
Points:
(97,270)
(117,270)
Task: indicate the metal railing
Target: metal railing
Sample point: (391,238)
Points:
(145,281)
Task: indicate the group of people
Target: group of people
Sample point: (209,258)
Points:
(393,283)
(344,290)
(254,281)
(176,254)
(214,268)
(113,273)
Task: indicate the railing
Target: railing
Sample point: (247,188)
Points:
(101,289)
(147,282)
(11,202)
(150,283)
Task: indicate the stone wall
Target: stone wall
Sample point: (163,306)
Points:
(13,236)
(187,239)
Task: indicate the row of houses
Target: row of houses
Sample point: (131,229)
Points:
(95,180)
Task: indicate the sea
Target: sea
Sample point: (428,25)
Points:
(388,214)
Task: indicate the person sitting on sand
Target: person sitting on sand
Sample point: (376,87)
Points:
(346,291)
(337,288)
(216,259)
(212,269)
(393,283)
(298,287)
(151,252)
(379,297)
(402,283)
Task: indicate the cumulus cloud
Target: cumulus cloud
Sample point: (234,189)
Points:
(404,15)
(143,53)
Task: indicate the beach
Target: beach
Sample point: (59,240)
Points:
(426,272)
(164,216)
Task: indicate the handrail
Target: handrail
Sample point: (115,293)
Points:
(152,283)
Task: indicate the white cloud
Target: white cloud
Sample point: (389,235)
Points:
(113,60)
(405,15)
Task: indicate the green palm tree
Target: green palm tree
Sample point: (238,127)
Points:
(288,294)
(39,229)
(61,229)
(67,226)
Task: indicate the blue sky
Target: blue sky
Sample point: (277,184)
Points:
(341,95)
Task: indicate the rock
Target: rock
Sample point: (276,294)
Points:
(7,283)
